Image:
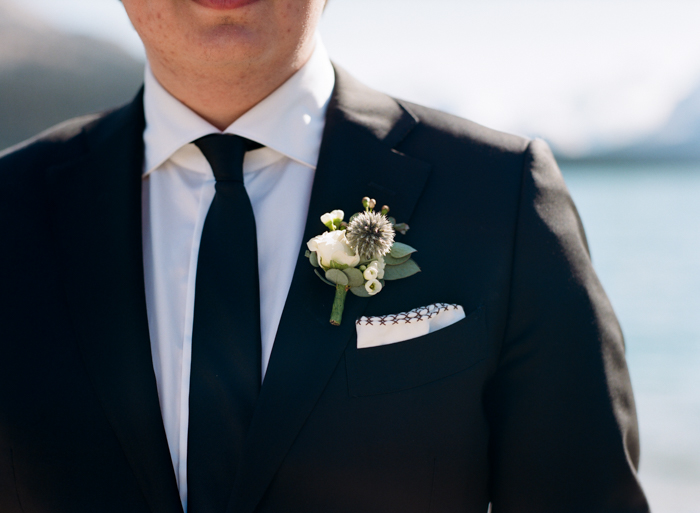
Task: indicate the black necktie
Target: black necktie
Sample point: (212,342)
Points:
(226,353)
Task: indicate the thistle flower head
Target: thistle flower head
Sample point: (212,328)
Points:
(371,235)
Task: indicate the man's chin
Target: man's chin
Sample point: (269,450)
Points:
(224,5)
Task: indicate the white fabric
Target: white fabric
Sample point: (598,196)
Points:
(393,328)
(178,187)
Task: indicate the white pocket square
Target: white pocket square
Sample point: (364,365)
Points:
(390,329)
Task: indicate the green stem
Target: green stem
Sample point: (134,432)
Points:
(338,304)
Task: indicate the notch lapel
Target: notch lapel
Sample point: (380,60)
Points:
(96,218)
(357,159)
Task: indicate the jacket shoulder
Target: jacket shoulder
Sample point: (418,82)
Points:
(461,151)
(448,129)
(51,147)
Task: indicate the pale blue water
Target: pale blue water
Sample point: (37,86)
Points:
(643,226)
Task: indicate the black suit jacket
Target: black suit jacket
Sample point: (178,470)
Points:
(526,403)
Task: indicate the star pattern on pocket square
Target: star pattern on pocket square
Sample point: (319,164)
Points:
(392,328)
(412,316)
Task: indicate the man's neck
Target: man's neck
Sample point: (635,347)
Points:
(222,95)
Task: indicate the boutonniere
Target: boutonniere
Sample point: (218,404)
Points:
(360,256)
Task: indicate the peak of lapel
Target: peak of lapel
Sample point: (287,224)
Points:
(97,225)
(357,159)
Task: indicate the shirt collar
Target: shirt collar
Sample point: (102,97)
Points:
(289,121)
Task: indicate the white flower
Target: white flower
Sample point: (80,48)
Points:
(371,273)
(373,287)
(333,219)
(375,270)
(333,248)
(380,267)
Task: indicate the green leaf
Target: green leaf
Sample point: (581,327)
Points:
(313,258)
(398,272)
(390,260)
(336,265)
(323,279)
(360,291)
(355,278)
(402,228)
(336,276)
(400,250)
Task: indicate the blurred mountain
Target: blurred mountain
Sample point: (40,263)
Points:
(676,140)
(47,76)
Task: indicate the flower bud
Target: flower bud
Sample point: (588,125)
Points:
(385,210)
(372,204)
(333,219)
(327,220)
(365,202)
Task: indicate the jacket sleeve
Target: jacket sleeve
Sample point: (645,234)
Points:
(564,432)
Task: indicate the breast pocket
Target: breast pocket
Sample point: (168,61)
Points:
(419,361)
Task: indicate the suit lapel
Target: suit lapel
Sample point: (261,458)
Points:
(357,159)
(97,222)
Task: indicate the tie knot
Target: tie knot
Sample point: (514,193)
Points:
(225,153)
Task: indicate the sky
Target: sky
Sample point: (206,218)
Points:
(580,73)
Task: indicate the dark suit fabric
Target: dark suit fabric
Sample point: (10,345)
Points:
(526,403)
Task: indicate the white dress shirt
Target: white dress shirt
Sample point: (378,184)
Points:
(178,188)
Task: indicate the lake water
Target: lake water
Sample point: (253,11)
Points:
(643,226)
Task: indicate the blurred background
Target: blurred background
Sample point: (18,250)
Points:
(612,85)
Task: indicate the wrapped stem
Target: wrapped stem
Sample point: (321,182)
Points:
(338,304)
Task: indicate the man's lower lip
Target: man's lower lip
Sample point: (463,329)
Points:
(224,4)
